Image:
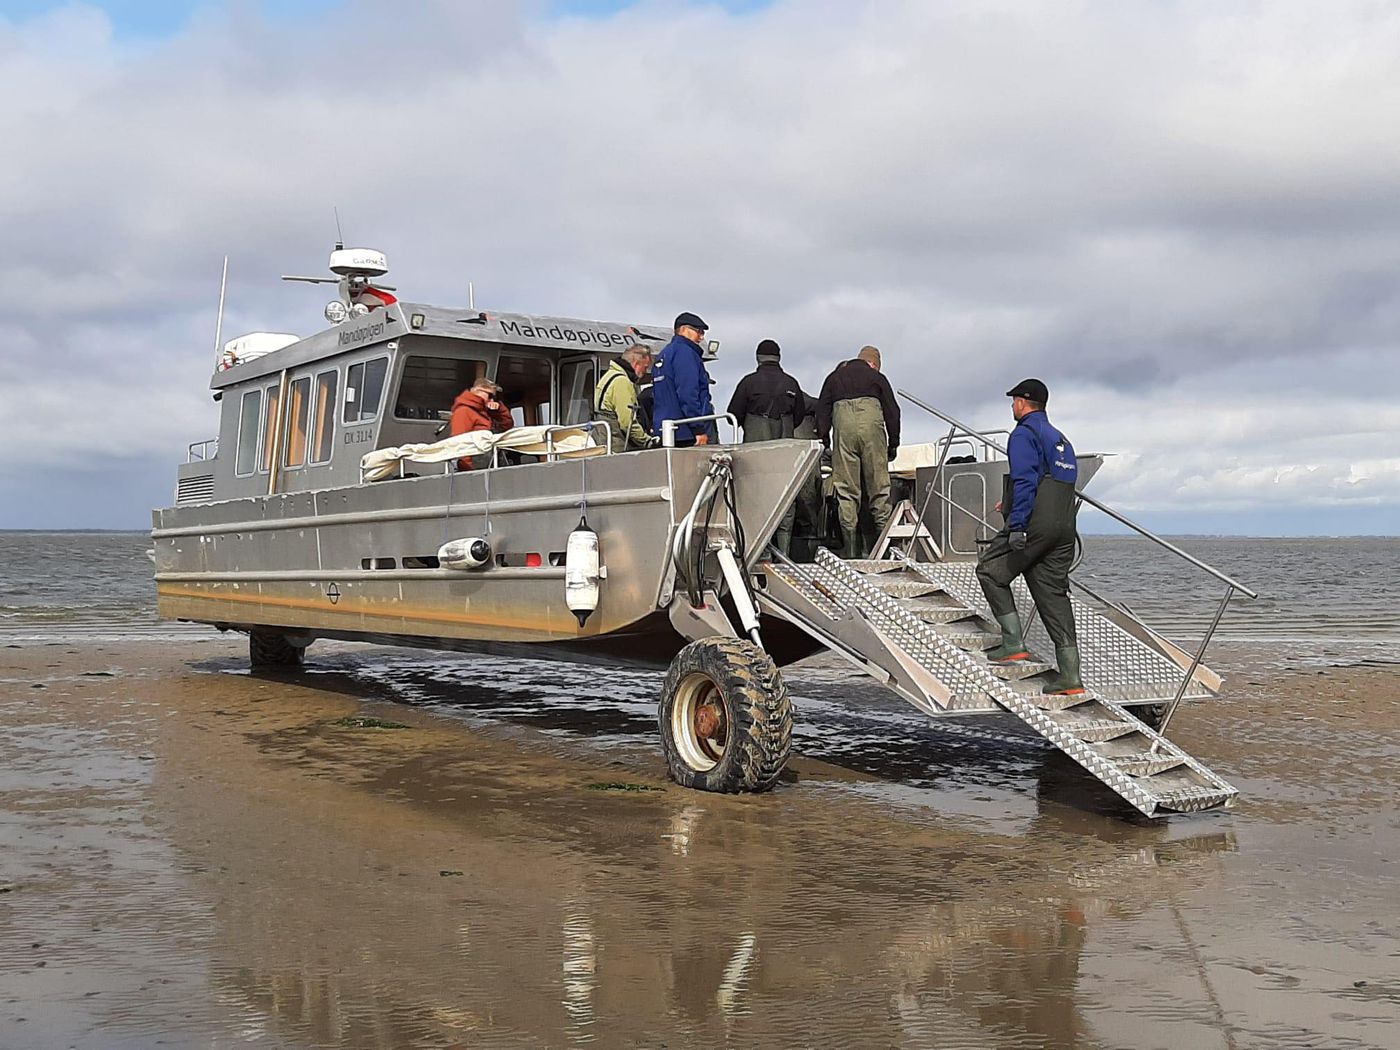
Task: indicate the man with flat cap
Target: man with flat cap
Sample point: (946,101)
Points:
(858,419)
(769,403)
(680,384)
(1039,504)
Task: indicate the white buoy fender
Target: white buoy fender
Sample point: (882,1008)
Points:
(581,571)
(471,553)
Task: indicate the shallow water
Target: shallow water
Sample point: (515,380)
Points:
(195,855)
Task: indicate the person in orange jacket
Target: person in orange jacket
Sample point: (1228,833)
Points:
(479,407)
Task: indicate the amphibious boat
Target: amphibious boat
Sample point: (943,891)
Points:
(330,505)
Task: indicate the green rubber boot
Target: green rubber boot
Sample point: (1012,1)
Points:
(1066,681)
(1012,648)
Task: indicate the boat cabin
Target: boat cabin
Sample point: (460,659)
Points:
(300,417)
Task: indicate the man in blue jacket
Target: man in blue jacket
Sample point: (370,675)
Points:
(680,384)
(1039,504)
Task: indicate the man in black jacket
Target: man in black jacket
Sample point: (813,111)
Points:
(858,418)
(768,403)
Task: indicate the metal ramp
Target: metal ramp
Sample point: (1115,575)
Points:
(921,628)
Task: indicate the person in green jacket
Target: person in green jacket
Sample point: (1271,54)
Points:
(615,400)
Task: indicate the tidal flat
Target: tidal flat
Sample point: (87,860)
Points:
(400,849)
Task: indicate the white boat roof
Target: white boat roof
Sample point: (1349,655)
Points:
(564,335)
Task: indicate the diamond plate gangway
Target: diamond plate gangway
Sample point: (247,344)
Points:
(921,629)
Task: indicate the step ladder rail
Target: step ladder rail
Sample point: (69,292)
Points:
(1128,620)
(1196,671)
(1065,729)
(1114,661)
(1232,585)
(848,589)
(854,650)
(1195,661)
(789,592)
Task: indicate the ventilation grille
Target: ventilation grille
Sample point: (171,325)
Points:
(195,490)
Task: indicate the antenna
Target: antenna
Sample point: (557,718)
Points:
(219,325)
(471,296)
(339,237)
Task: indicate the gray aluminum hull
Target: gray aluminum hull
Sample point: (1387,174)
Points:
(348,562)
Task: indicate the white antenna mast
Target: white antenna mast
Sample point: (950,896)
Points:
(339,237)
(471,296)
(219,325)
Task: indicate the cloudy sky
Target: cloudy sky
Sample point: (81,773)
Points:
(1185,217)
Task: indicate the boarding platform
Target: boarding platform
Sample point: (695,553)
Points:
(921,629)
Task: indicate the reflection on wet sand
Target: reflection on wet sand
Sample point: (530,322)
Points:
(635,919)
(467,881)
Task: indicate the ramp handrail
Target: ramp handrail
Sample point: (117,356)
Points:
(668,426)
(1231,585)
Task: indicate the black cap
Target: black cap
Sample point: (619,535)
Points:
(1031,390)
(688,318)
(768,348)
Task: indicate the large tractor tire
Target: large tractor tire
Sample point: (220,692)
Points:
(269,649)
(726,720)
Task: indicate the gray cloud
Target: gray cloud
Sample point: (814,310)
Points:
(1185,217)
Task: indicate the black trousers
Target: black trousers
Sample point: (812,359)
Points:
(1045,563)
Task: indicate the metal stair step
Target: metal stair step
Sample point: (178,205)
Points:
(942,615)
(1097,730)
(1147,764)
(869,566)
(932,611)
(967,637)
(906,588)
(1058,702)
(1194,799)
(1014,672)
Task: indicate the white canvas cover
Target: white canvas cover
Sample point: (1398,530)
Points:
(910,458)
(568,443)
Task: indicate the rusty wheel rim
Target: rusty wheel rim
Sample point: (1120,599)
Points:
(699,726)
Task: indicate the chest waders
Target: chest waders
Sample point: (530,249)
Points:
(860,472)
(617,436)
(1045,563)
(765,428)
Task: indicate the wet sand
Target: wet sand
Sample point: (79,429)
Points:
(191,855)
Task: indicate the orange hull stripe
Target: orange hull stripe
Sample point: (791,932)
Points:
(322,607)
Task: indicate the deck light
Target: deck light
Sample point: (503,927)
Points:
(336,311)
(416,321)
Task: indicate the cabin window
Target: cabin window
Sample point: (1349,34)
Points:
(364,386)
(324,431)
(298,416)
(430,385)
(576,379)
(249,411)
(526,387)
(274,404)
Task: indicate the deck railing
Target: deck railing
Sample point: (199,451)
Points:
(1231,585)
(668,427)
(201,451)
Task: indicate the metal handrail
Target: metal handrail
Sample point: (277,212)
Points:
(1093,502)
(973,441)
(587,427)
(198,451)
(668,426)
(1231,585)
